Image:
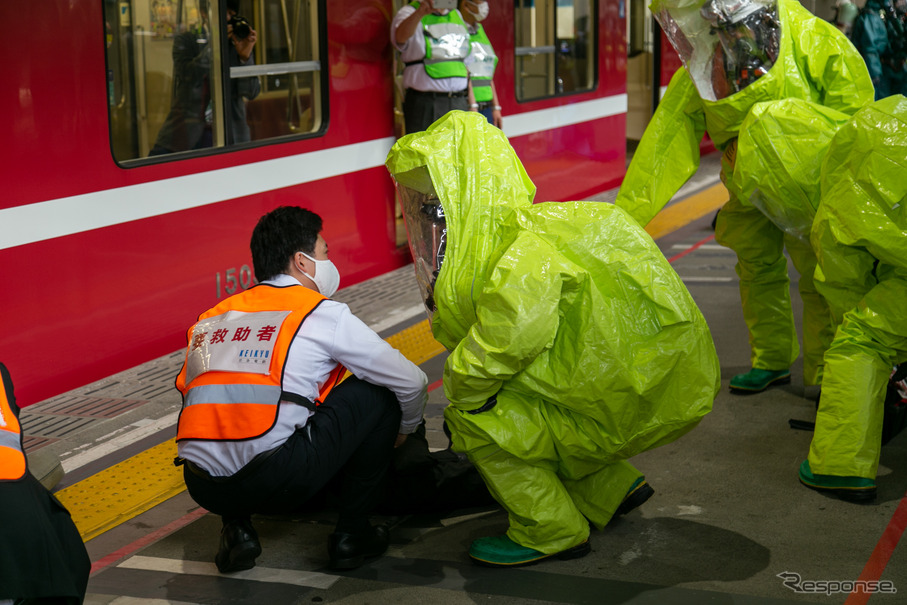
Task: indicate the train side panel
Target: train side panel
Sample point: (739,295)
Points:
(107,264)
(88,302)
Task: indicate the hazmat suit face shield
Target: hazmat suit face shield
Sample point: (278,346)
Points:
(426,230)
(725,45)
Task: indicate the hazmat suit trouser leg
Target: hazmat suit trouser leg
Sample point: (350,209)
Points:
(598,495)
(871,339)
(765,291)
(546,512)
(818,323)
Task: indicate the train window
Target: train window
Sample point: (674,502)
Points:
(555,47)
(189,75)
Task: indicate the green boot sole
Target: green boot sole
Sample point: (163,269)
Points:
(756,380)
(501,551)
(858,490)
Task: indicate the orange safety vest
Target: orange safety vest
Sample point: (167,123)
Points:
(12,455)
(232,377)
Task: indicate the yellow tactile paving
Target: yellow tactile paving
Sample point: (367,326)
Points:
(126,490)
(683,213)
(416,343)
(123,491)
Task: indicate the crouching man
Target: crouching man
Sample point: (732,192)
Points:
(267,423)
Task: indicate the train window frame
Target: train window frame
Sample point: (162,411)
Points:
(522,51)
(222,75)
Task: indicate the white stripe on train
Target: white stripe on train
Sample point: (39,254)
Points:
(60,217)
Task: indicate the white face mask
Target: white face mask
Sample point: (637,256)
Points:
(482,11)
(326,278)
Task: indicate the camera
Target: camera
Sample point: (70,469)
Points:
(241,27)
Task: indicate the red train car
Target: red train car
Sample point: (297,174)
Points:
(127,210)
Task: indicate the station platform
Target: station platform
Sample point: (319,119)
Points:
(729,522)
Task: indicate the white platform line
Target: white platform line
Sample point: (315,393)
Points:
(290,577)
(397,316)
(706,279)
(143,601)
(107,444)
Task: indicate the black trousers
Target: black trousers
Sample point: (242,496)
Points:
(42,557)
(349,439)
(422,109)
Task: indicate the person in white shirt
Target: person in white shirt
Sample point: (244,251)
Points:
(433,44)
(266,437)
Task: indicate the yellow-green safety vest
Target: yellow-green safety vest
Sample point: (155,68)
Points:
(446,45)
(481,64)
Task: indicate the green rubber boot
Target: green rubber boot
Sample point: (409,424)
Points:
(501,551)
(852,489)
(757,380)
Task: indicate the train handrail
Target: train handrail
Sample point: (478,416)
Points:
(522,51)
(274,69)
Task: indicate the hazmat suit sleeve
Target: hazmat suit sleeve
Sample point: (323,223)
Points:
(517,319)
(668,153)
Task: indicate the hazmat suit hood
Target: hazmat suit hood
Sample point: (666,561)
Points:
(568,306)
(478,182)
(814,61)
(725,45)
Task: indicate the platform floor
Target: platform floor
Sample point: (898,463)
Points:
(727,521)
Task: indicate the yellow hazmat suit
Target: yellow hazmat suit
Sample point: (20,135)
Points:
(809,59)
(573,343)
(860,238)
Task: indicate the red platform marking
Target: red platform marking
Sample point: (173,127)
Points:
(127,550)
(690,249)
(882,553)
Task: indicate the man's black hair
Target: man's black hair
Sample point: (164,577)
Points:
(279,235)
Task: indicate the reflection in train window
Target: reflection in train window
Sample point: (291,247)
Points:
(555,47)
(188,75)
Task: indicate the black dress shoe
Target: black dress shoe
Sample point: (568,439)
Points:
(349,551)
(239,547)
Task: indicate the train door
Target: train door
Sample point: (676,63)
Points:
(139,68)
(643,69)
(552,43)
(399,127)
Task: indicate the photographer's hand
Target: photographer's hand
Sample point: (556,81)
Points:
(243,47)
(408,27)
